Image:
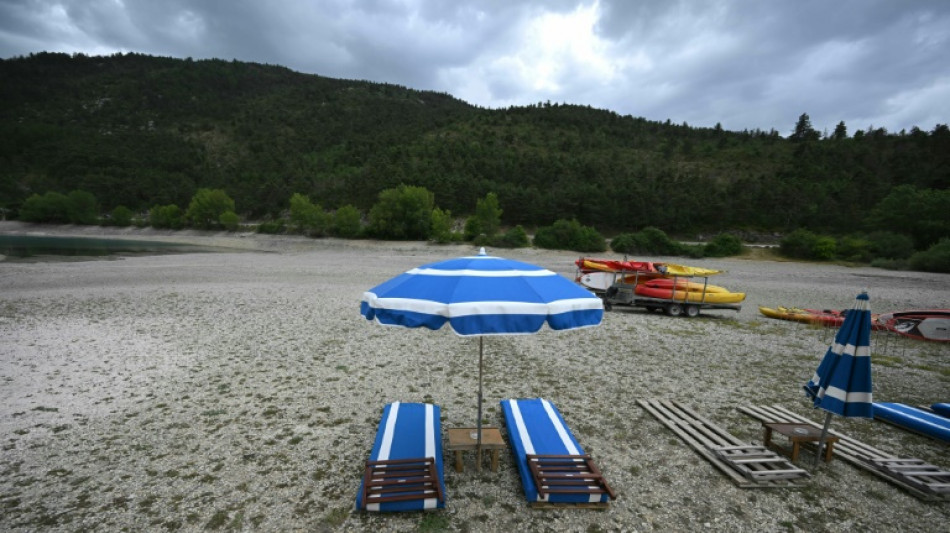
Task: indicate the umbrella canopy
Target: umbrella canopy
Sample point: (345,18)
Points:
(482,295)
(842,383)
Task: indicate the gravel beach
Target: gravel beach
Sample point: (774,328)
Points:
(241,390)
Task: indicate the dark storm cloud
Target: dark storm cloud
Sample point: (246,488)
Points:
(742,63)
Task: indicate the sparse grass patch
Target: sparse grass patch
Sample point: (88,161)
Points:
(336,516)
(434,522)
(889,361)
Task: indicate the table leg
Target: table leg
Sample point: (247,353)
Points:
(458,460)
(494,460)
(796,447)
(828,450)
(767,439)
(478,462)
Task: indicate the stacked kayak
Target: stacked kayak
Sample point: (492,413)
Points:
(921,324)
(687,291)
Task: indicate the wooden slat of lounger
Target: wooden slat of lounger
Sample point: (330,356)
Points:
(705,437)
(567,474)
(855,452)
(401,480)
(927,477)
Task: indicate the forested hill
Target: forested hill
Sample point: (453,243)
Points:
(140,131)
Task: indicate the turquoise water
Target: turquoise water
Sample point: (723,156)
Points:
(26,247)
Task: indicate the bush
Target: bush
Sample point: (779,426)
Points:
(569,235)
(650,240)
(441,230)
(403,213)
(207,206)
(229,220)
(346,222)
(854,248)
(515,237)
(723,245)
(121,216)
(308,218)
(82,208)
(272,227)
(934,259)
(166,216)
(798,244)
(49,208)
(824,248)
(890,245)
(486,220)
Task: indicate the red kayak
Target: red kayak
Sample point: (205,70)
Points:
(587,264)
(921,324)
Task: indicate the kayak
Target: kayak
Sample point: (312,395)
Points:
(914,419)
(921,324)
(586,264)
(650,289)
(831,318)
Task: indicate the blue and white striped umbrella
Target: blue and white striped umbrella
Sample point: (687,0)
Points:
(842,383)
(482,295)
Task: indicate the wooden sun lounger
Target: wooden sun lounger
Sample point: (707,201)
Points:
(925,481)
(399,480)
(749,466)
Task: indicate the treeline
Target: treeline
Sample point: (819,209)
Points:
(140,131)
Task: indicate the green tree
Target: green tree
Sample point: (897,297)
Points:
(841,132)
(922,213)
(307,217)
(441,231)
(121,216)
(207,206)
(486,220)
(82,208)
(515,237)
(803,130)
(50,207)
(569,235)
(346,222)
(166,217)
(230,220)
(402,213)
(723,245)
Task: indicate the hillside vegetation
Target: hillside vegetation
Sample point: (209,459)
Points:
(140,131)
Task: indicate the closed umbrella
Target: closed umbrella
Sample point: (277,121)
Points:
(482,295)
(842,383)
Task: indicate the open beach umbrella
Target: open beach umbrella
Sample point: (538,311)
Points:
(482,295)
(842,383)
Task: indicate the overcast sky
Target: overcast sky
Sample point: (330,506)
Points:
(746,64)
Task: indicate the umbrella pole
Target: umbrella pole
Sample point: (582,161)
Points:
(478,447)
(821,439)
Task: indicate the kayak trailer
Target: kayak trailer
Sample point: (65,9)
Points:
(619,288)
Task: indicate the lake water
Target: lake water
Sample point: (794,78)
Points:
(46,248)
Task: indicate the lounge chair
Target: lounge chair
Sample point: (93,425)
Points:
(913,419)
(553,467)
(926,481)
(404,470)
(748,465)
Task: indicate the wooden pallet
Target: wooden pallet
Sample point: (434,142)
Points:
(567,474)
(928,483)
(749,466)
(401,480)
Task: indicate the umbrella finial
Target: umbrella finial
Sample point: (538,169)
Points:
(481,251)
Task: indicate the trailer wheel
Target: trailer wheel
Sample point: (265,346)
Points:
(692,310)
(608,306)
(674,309)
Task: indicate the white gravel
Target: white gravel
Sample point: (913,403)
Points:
(242,390)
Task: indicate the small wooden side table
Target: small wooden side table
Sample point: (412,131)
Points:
(797,434)
(462,439)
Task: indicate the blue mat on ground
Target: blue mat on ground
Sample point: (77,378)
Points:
(409,433)
(535,427)
(914,419)
(942,409)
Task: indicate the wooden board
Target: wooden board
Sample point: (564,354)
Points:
(861,455)
(748,467)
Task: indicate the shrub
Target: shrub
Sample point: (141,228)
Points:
(934,259)
(346,222)
(798,244)
(50,207)
(207,206)
(121,216)
(486,220)
(308,218)
(82,208)
(229,220)
(569,235)
(441,230)
(649,240)
(403,213)
(890,245)
(272,227)
(854,248)
(824,248)
(723,245)
(515,237)
(166,216)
